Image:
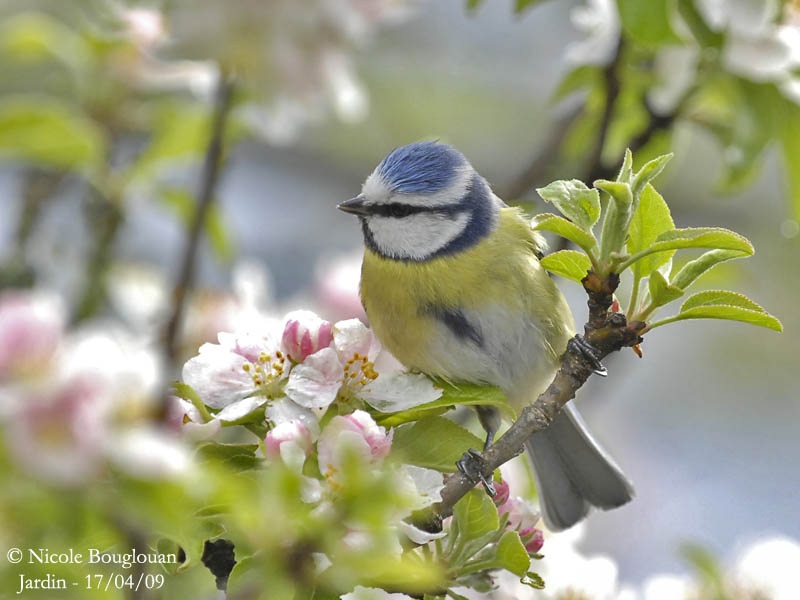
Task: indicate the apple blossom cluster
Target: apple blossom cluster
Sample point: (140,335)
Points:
(316,391)
(75,401)
(296,371)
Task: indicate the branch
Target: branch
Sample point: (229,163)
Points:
(607,332)
(205,199)
(595,169)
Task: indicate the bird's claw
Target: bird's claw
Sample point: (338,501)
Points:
(579,344)
(472,465)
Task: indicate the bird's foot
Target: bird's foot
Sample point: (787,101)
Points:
(472,464)
(580,345)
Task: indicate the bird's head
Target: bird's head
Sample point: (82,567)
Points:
(422,201)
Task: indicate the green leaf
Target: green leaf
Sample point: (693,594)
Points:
(732,313)
(49,133)
(720,304)
(703,237)
(581,77)
(187,392)
(474,4)
(34,36)
(511,554)
(647,23)
(692,270)
(618,216)
(434,443)
(790,143)
(564,228)
(520,5)
(712,297)
(570,264)
(237,457)
(661,292)
(574,200)
(464,394)
(533,580)
(181,135)
(476,515)
(648,172)
(693,237)
(697,25)
(650,219)
(625,171)
(705,565)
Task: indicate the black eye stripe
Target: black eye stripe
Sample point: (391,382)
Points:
(398,210)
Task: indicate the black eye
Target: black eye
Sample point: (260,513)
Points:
(399,211)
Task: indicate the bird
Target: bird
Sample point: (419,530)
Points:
(452,286)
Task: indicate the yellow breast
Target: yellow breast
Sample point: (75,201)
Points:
(501,271)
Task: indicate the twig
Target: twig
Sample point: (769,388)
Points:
(39,187)
(205,198)
(607,332)
(105,217)
(595,167)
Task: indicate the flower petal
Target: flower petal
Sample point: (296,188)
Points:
(364,593)
(217,375)
(315,382)
(351,337)
(399,391)
(240,408)
(429,484)
(284,410)
(418,536)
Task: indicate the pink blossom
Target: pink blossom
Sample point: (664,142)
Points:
(536,542)
(304,334)
(236,368)
(31,327)
(59,433)
(290,432)
(503,492)
(521,515)
(357,433)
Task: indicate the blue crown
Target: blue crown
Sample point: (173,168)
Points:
(421,167)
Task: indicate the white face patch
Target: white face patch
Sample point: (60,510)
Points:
(376,191)
(416,236)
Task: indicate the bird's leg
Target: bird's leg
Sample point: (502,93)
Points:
(579,345)
(489,417)
(472,465)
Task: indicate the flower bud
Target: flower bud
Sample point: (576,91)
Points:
(521,515)
(536,542)
(503,491)
(304,334)
(293,432)
(356,432)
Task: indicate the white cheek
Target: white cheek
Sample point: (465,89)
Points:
(416,236)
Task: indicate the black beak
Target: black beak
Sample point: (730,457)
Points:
(355,206)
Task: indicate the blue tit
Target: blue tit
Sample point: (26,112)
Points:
(452,286)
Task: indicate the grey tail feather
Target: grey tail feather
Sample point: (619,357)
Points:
(573,473)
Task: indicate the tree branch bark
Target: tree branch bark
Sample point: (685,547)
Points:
(607,332)
(212,164)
